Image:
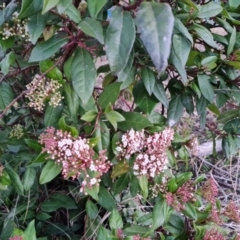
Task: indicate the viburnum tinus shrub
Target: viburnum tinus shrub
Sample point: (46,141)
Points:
(90,96)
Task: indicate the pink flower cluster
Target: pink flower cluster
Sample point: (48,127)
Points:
(151,157)
(16,238)
(232,212)
(213,234)
(75,155)
(183,195)
(210,191)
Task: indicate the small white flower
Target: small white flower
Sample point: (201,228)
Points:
(135,167)
(93,181)
(119,149)
(93,168)
(144,172)
(68,153)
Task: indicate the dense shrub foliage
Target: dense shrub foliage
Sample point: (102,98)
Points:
(90,96)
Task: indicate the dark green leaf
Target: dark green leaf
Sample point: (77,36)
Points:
(49,172)
(92,210)
(103,233)
(228,115)
(201,104)
(73,13)
(208,10)
(160,93)
(45,50)
(52,115)
(29,8)
(83,74)
(121,183)
(175,110)
(89,116)
(232,126)
(187,102)
(6,62)
(16,182)
(106,200)
(62,125)
(63,5)
(36,26)
(190,211)
(103,134)
(160,212)
(115,220)
(29,178)
(57,201)
(33,144)
(120,37)
(133,186)
(114,117)
(109,95)
(94,7)
(120,168)
(148,77)
(134,120)
(42,216)
(7,229)
(148,19)
(133,230)
(205,87)
(30,232)
(92,28)
(48,4)
(142,99)
(230,145)
(8,11)
(6,95)
(232,42)
(143,183)
(54,74)
(92,191)
(178,25)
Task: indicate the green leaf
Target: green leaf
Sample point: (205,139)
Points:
(148,77)
(36,25)
(135,229)
(6,95)
(29,178)
(232,126)
(56,201)
(120,37)
(205,87)
(7,12)
(120,168)
(160,93)
(115,220)
(94,7)
(7,62)
(52,115)
(109,95)
(83,74)
(228,115)
(121,183)
(103,134)
(178,25)
(208,10)
(232,42)
(33,144)
(209,60)
(29,8)
(93,191)
(7,229)
(233,4)
(158,219)
(92,28)
(91,209)
(6,44)
(205,35)
(30,231)
(45,50)
(134,120)
(143,183)
(156,37)
(114,117)
(63,5)
(102,233)
(142,99)
(16,182)
(89,116)
(73,13)
(62,125)
(175,110)
(54,74)
(172,185)
(48,4)
(5,179)
(106,200)
(49,172)
(179,55)
(42,216)
(187,102)
(234,64)
(230,145)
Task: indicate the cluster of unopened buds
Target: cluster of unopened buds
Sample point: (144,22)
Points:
(76,156)
(213,234)
(16,238)
(150,151)
(41,89)
(17,131)
(16,27)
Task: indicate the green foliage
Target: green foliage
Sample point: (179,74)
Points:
(71,170)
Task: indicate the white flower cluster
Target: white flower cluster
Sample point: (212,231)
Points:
(150,151)
(42,89)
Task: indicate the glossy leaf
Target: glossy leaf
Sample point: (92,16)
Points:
(52,115)
(8,11)
(63,5)
(136,229)
(232,42)
(228,115)
(120,37)
(148,78)
(92,210)
(48,4)
(143,183)
(208,10)
(6,95)
(45,50)
(175,111)
(114,117)
(103,233)
(158,219)
(232,126)
(49,172)
(160,93)
(29,178)
(92,191)
(205,87)
(158,46)
(29,8)
(73,13)
(30,231)
(115,220)
(89,116)
(109,94)
(120,168)
(106,200)
(180,27)
(62,125)
(83,74)
(94,7)
(121,183)
(33,144)
(233,4)
(103,134)
(6,62)
(54,74)
(133,120)
(92,28)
